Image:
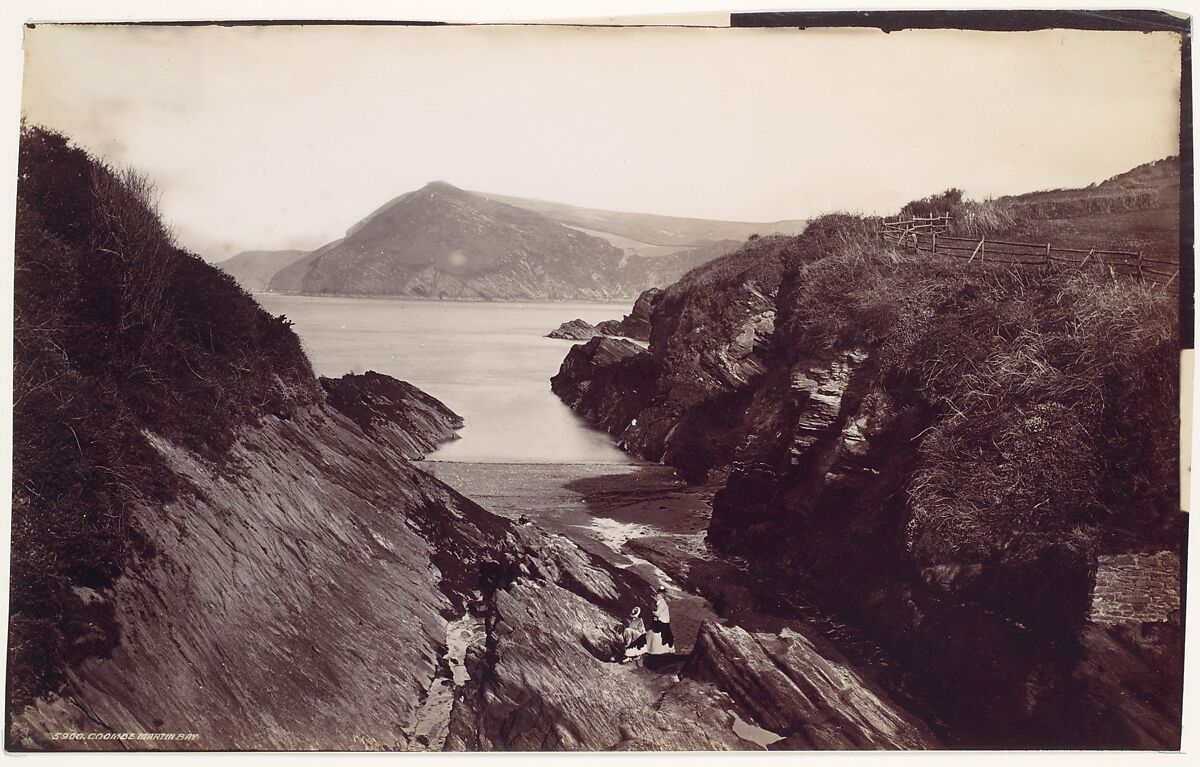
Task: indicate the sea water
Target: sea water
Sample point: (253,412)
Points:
(490,362)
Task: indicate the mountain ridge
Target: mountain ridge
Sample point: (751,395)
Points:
(441,241)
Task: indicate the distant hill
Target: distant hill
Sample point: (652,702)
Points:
(444,242)
(253,269)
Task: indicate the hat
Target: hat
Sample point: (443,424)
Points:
(635,612)
(661,588)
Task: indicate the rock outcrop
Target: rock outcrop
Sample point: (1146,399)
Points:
(636,324)
(544,678)
(574,330)
(791,689)
(835,388)
(298,599)
(681,401)
(391,411)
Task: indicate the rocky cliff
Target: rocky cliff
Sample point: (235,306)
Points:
(297,598)
(211,543)
(394,412)
(573,330)
(935,454)
(636,324)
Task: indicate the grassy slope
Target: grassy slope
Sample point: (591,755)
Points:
(1136,211)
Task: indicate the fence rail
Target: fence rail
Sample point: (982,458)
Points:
(930,234)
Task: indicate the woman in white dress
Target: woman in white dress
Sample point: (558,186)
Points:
(659,639)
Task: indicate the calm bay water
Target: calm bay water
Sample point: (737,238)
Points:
(489,362)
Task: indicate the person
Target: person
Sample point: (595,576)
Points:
(659,639)
(633,638)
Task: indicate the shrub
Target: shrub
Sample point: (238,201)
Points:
(976,219)
(933,205)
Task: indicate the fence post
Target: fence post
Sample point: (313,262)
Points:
(975,252)
(1087,258)
(1140,276)
(935,242)
(1047,255)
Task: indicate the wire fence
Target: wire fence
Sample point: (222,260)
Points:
(931,234)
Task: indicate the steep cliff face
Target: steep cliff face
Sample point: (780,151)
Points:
(206,541)
(681,400)
(933,453)
(298,599)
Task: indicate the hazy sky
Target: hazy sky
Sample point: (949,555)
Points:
(282,137)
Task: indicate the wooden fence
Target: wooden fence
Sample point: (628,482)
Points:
(930,234)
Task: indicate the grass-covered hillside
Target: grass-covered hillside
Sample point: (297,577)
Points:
(937,450)
(116,332)
(1136,211)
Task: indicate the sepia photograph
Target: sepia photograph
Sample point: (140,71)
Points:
(761,382)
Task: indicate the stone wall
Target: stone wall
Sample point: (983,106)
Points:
(1136,588)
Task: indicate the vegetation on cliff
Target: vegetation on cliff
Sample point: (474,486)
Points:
(939,448)
(116,331)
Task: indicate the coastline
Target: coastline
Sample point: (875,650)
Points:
(401,297)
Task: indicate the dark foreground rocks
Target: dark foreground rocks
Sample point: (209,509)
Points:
(301,596)
(788,687)
(544,679)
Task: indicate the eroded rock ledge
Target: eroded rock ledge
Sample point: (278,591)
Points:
(393,411)
(543,679)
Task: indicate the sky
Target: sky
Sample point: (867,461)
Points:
(283,137)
